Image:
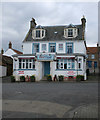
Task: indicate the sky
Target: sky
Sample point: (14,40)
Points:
(16,17)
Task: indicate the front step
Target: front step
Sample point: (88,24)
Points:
(44,78)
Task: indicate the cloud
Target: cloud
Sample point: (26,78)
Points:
(16,18)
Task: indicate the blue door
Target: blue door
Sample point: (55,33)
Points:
(46,68)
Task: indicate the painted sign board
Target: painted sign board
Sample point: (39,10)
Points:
(21,72)
(71,73)
(45,57)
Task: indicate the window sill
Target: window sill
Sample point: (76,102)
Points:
(24,69)
(68,70)
(64,69)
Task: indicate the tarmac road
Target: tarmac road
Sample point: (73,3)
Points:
(50,100)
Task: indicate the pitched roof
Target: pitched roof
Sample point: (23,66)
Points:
(16,51)
(5,60)
(50,34)
(92,50)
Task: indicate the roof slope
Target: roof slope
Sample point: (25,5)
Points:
(5,60)
(16,51)
(50,34)
(92,50)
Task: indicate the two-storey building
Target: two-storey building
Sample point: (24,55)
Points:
(54,50)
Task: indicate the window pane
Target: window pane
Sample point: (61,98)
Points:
(70,32)
(73,65)
(65,65)
(89,64)
(52,48)
(19,65)
(69,48)
(60,46)
(36,47)
(30,64)
(92,56)
(43,46)
(30,60)
(37,33)
(95,64)
(33,64)
(42,33)
(23,65)
(57,64)
(19,60)
(79,65)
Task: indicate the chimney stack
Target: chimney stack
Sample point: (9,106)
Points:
(83,20)
(2,51)
(10,45)
(32,23)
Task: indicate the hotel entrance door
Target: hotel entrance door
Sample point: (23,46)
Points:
(46,68)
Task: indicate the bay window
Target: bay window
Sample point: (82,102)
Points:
(26,64)
(65,64)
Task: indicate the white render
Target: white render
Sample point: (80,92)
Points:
(79,46)
(9,53)
(3,71)
(69,60)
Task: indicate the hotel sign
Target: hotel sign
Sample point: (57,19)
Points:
(45,57)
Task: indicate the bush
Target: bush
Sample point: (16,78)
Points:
(22,78)
(60,77)
(32,78)
(12,78)
(49,78)
(79,77)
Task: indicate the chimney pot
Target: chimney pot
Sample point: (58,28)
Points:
(2,51)
(10,45)
(32,23)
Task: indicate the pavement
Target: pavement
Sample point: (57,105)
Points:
(50,100)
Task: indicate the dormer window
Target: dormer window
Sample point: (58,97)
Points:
(70,31)
(38,33)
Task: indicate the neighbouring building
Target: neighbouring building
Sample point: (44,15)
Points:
(6,65)
(98,57)
(10,51)
(6,61)
(92,60)
(54,50)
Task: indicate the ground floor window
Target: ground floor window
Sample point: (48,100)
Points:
(65,64)
(26,64)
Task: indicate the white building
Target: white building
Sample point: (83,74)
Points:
(54,50)
(10,51)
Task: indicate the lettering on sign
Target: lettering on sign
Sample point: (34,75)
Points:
(71,73)
(45,57)
(21,72)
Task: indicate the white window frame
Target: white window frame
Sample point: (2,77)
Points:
(80,62)
(34,33)
(59,46)
(69,62)
(92,56)
(75,32)
(45,47)
(32,62)
(71,32)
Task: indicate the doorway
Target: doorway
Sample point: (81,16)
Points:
(46,68)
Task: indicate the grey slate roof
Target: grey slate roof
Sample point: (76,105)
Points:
(50,34)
